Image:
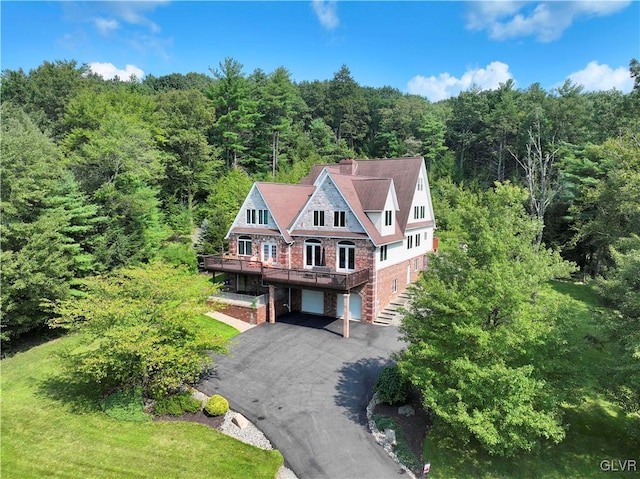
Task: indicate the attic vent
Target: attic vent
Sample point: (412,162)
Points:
(348,167)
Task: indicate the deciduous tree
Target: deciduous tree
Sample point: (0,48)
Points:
(476,323)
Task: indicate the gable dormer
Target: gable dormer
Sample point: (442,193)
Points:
(379,202)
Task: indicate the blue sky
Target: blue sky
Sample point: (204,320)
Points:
(434,49)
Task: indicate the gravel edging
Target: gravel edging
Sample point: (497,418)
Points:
(381,438)
(249,435)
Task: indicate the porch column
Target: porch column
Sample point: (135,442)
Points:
(345,318)
(272,308)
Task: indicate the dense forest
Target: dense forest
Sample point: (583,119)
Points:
(99,174)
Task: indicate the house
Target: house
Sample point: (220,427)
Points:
(344,243)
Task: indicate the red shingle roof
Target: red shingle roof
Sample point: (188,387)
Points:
(285,201)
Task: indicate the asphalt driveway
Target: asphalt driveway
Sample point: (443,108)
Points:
(307,388)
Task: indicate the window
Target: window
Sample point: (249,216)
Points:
(388,218)
(394,286)
(346,256)
(244,246)
(409,242)
(417,240)
(313,254)
(339,218)
(263,217)
(318,218)
(422,212)
(420,184)
(415,264)
(416,210)
(270,253)
(383,253)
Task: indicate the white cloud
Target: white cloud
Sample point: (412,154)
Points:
(327,13)
(109,71)
(596,77)
(106,26)
(544,20)
(444,85)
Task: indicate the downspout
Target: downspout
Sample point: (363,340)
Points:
(376,305)
(289,264)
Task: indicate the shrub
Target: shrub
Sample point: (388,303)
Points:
(125,405)
(403,451)
(177,404)
(179,254)
(392,387)
(216,405)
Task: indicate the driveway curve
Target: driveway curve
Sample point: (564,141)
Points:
(307,388)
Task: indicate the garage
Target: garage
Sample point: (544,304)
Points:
(355,306)
(312,301)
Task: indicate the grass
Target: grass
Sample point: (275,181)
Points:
(208,325)
(597,429)
(55,429)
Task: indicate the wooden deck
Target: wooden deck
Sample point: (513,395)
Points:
(289,277)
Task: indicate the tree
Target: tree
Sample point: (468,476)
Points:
(192,164)
(349,114)
(137,328)
(610,207)
(236,111)
(541,173)
(621,290)
(48,227)
(222,206)
(477,322)
(45,92)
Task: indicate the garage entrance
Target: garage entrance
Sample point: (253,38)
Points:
(312,301)
(355,306)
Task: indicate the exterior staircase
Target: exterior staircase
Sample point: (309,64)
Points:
(391,315)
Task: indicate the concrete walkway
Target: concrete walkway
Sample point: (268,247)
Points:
(233,322)
(307,388)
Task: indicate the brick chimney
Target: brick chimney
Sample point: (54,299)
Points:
(348,167)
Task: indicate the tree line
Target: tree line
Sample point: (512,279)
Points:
(100,176)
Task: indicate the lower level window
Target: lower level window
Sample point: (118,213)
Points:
(394,286)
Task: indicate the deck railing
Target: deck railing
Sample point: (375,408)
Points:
(274,275)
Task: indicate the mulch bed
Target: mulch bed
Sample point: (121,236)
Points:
(414,427)
(199,417)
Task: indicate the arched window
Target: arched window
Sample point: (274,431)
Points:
(314,254)
(346,256)
(244,246)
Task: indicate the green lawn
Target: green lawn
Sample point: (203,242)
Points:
(51,428)
(596,432)
(208,325)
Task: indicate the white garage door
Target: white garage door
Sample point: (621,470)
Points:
(312,301)
(355,306)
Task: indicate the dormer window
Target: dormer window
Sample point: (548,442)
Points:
(339,219)
(388,218)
